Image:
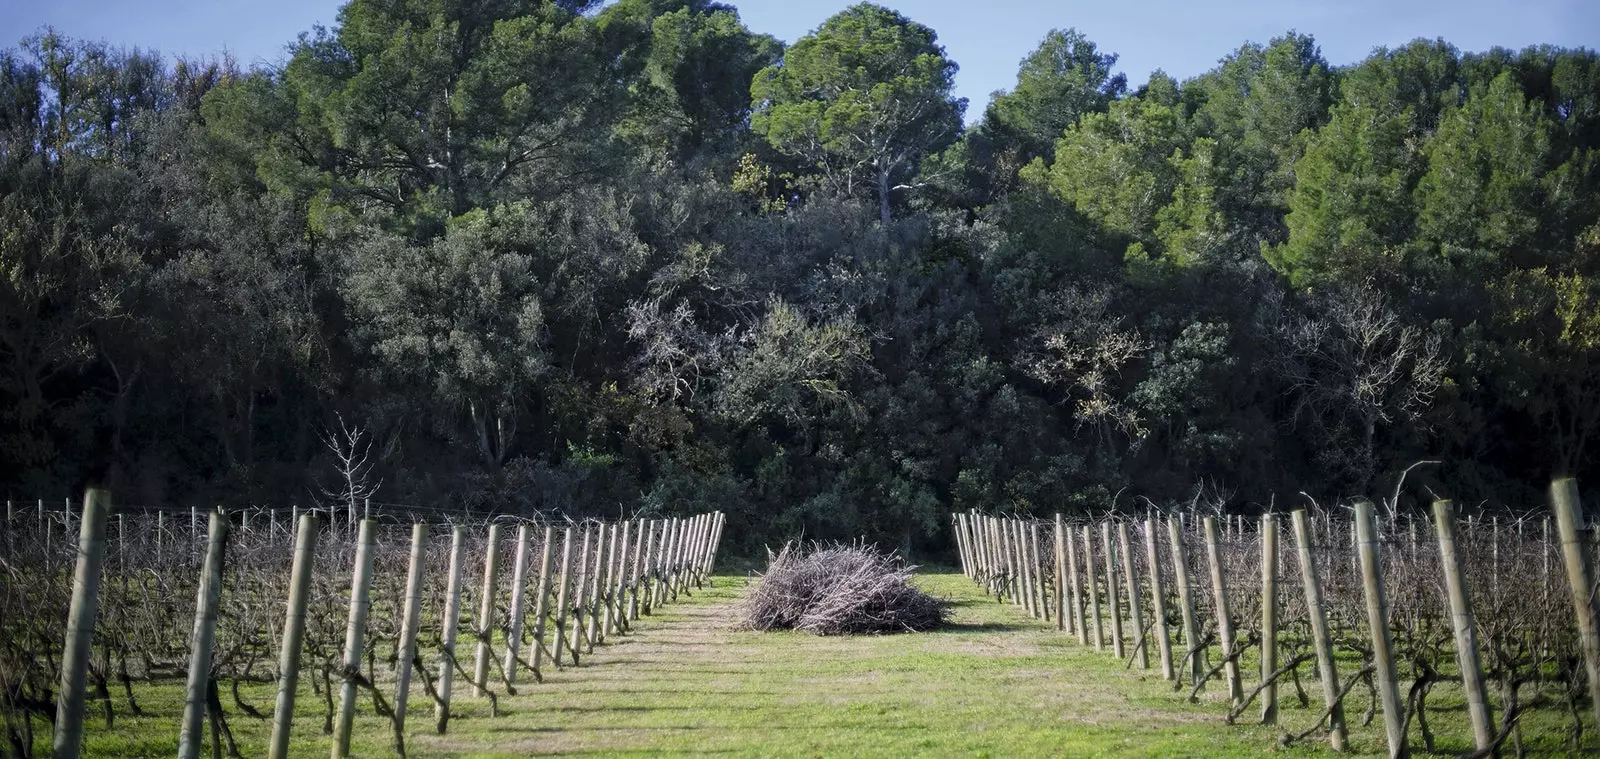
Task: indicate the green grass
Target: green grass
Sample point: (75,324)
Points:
(685,681)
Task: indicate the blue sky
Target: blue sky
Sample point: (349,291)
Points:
(986,38)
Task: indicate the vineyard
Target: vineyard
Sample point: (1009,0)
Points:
(216,617)
(1354,605)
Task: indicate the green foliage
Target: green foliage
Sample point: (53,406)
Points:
(555,256)
(862,100)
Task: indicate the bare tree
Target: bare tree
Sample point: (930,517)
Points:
(351,447)
(1085,351)
(1353,368)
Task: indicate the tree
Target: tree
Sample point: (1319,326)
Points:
(863,98)
(1062,80)
(427,109)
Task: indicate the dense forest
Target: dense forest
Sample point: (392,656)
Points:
(543,254)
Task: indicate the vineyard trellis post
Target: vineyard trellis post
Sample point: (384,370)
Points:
(85,607)
(1224,613)
(1465,627)
(1370,554)
(410,623)
(355,631)
(519,580)
(1080,618)
(1194,652)
(1090,574)
(200,643)
(294,631)
(1269,618)
(592,596)
(562,596)
(1060,594)
(452,619)
(1131,571)
(484,624)
(1568,507)
(1321,640)
(541,598)
(637,577)
(1158,605)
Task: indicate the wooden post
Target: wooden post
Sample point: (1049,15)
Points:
(1060,593)
(959,523)
(1044,602)
(645,590)
(355,631)
(1224,612)
(1020,532)
(1113,596)
(602,597)
(410,622)
(294,630)
(592,636)
(1191,627)
(519,582)
(579,635)
(617,581)
(1079,615)
(1158,599)
(541,597)
(1089,574)
(85,607)
(1131,573)
(1466,629)
(1568,508)
(1269,618)
(484,624)
(562,591)
(640,556)
(1327,669)
(1394,710)
(451,621)
(192,732)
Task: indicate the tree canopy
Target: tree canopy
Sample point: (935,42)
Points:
(547,254)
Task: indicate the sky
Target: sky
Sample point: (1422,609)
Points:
(1182,37)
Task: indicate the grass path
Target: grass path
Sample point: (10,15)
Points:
(687,682)
(997,683)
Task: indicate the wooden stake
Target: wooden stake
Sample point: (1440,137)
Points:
(1466,629)
(1113,596)
(1568,509)
(484,624)
(1079,619)
(1092,585)
(519,581)
(1394,710)
(1130,570)
(1191,626)
(294,630)
(1060,593)
(561,596)
(1224,613)
(355,631)
(1158,600)
(541,598)
(410,622)
(85,607)
(452,621)
(192,733)
(1269,618)
(1327,669)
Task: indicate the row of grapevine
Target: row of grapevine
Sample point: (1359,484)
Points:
(377,610)
(1502,607)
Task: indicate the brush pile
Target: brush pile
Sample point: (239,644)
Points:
(839,590)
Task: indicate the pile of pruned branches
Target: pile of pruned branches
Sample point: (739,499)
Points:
(839,590)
